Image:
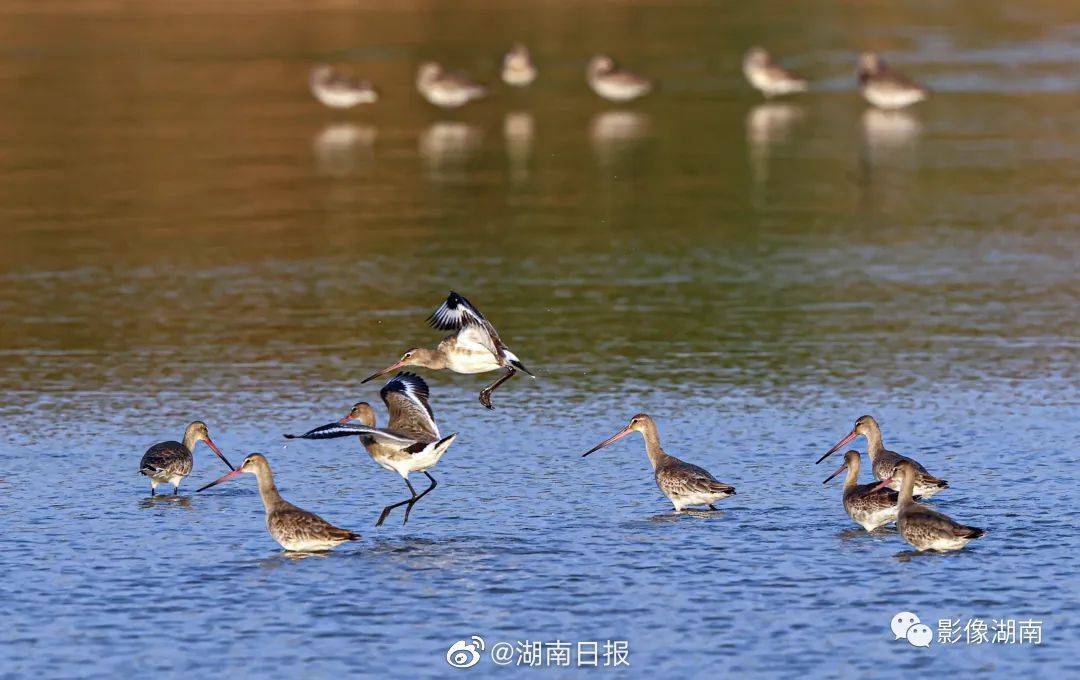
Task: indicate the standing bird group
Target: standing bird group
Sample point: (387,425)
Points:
(451,90)
(882,86)
(411,442)
(892,498)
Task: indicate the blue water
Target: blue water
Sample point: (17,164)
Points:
(187,235)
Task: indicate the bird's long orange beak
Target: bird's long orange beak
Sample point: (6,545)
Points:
(388,369)
(843,442)
(622,433)
(830,477)
(225,478)
(884,483)
(215,449)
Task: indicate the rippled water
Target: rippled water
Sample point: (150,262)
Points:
(188,235)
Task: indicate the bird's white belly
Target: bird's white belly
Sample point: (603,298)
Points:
(618,92)
(519,77)
(692,499)
(773,86)
(166,478)
(447,97)
(420,463)
(871,521)
(943,544)
(473,362)
(308,545)
(342,99)
(892,98)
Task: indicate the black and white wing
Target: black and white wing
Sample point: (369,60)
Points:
(474,332)
(406,397)
(336,430)
(455,314)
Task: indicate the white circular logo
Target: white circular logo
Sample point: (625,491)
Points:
(465,653)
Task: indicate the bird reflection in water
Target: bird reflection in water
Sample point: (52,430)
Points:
(519,128)
(614,135)
(768,126)
(446,146)
(341,149)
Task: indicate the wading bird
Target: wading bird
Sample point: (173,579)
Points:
(885,88)
(339,91)
(684,484)
(771,79)
(474,347)
(409,443)
(292,527)
(614,83)
(923,528)
(446,90)
(169,462)
(882,461)
(518,68)
(870,505)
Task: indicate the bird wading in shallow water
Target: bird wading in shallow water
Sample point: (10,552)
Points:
(473,347)
(339,91)
(446,90)
(518,68)
(684,484)
(294,528)
(169,462)
(869,505)
(885,88)
(923,528)
(409,443)
(771,79)
(613,83)
(882,461)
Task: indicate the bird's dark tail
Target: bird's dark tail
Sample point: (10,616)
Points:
(971,532)
(521,367)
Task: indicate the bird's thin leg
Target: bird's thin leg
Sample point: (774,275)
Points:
(485,394)
(422,494)
(387,509)
(152,494)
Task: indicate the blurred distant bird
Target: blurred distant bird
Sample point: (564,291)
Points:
(474,347)
(771,79)
(446,90)
(339,91)
(614,83)
(885,88)
(410,442)
(169,462)
(517,66)
(292,527)
(684,484)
